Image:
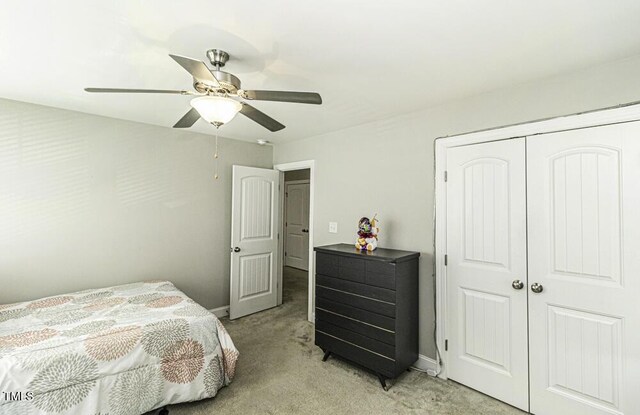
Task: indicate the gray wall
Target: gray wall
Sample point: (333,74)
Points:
(396,181)
(303,174)
(88,201)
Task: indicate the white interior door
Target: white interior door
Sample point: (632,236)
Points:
(297,225)
(254,240)
(486,251)
(584,250)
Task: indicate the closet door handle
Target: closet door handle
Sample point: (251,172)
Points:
(536,288)
(517,284)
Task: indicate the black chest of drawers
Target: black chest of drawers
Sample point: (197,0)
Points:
(367,307)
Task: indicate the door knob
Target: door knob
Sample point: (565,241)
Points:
(236,249)
(517,284)
(536,288)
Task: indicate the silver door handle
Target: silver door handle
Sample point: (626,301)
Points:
(236,249)
(536,288)
(517,284)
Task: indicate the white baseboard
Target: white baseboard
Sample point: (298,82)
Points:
(221,311)
(426,364)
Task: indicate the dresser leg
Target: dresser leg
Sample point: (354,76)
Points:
(327,353)
(383,382)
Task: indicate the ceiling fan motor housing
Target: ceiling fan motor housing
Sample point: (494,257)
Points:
(217,57)
(229,83)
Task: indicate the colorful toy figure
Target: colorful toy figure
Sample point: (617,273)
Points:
(368,234)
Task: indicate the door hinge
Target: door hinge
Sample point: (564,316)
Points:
(446,259)
(285,254)
(286,194)
(446,345)
(445,176)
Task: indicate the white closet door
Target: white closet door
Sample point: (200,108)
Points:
(584,250)
(486,248)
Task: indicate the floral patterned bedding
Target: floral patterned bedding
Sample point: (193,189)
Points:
(122,350)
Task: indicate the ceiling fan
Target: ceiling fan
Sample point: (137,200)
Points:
(219,96)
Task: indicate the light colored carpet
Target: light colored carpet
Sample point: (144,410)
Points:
(280,371)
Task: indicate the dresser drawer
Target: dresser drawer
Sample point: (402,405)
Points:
(381,274)
(355,313)
(356,339)
(327,264)
(352,269)
(357,288)
(373,361)
(377,333)
(358,301)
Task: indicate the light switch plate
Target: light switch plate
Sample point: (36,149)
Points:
(333,227)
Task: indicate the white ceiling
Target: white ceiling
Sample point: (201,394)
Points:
(368,59)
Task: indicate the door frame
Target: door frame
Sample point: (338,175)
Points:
(284,214)
(611,115)
(283,167)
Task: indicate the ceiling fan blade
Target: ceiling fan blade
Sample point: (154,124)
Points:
(197,69)
(188,119)
(142,91)
(260,117)
(284,96)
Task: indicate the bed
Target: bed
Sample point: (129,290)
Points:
(122,350)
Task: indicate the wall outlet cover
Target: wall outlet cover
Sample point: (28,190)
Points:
(333,227)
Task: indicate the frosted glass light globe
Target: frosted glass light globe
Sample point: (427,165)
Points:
(216,110)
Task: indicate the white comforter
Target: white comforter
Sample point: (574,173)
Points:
(121,350)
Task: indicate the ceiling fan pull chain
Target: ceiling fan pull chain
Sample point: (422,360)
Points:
(215,156)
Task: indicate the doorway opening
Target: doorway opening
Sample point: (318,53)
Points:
(296,276)
(295,271)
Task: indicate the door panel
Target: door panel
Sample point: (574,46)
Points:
(486,249)
(255,275)
(254,240)
(297,225)
(256,207)
(486,319)
(584,237)
(585,213)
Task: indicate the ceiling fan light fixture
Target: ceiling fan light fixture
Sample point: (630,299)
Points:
(215,87)
(216,110)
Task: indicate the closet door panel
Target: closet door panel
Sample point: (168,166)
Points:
(486,248)
(583,197)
